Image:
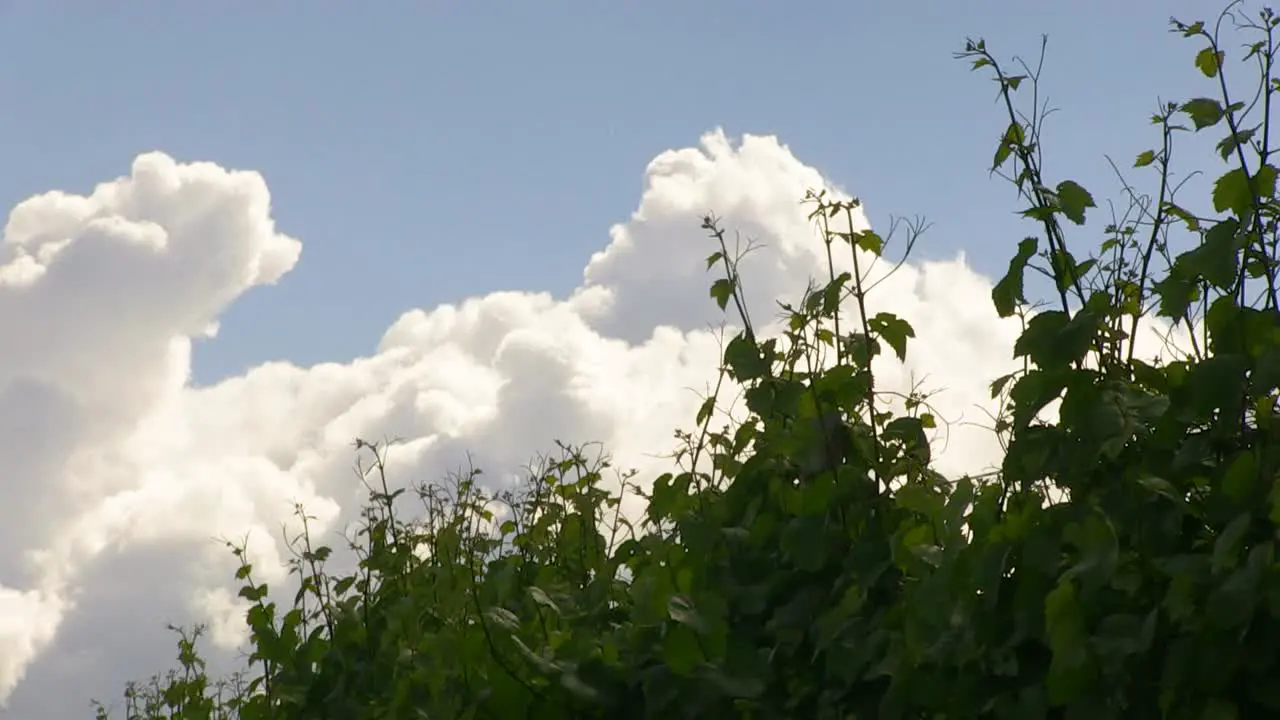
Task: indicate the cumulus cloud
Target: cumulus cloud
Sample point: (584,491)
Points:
(100,296)
(119,471)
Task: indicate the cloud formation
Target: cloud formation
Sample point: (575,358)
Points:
(119,471)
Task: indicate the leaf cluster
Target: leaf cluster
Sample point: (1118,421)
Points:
(807,561)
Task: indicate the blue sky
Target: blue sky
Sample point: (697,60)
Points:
(429,151)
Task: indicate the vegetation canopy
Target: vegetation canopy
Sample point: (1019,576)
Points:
(806,561)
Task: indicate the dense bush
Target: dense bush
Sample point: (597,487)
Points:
(807,562)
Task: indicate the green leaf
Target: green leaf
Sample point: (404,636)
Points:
(1265,379)
(541,597)
(1032,392)
(680,650)
(1226,549)
(737,685)
(833,292)
(1230,143)
(680,608)
(744,359)
(1190,220)
(1095,540)
(1013,136)
(893,330)
(1054,339)
(1064,624)
(1125,634)
(1008,293)
(1074,200)
(1204,112)
(920,545)
(869,241)
(704,411)
(575,684)
(998,385)
(1232,192)
(1214,385)
(1066,271)
(804,543)
(910,432)
(504,618)
(1217,259)
(714,258)
(1242,477)
(1160,486)
(539,661)
(344,584)
(1180,598)
(860,349)
(1177,291)
(1264,182)
(1145,158)
(1209,61)
(1232,602)
(722,290)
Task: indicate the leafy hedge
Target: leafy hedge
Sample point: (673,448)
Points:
(807,562)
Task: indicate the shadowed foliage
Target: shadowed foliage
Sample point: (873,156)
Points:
(806,561)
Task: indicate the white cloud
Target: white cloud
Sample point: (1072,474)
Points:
(126,471)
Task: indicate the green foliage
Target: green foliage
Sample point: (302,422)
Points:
(807,562)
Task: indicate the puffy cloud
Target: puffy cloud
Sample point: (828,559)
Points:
(100,296)
(127,470)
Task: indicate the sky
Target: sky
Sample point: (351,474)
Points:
(238,236)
